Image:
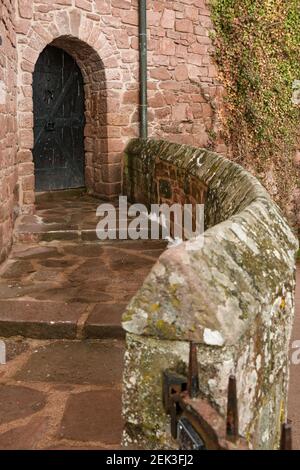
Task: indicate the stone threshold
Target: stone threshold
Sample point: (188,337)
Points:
(60,320)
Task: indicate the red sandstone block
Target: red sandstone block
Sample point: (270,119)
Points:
(162,113)
(184,26)
(26,8)
(26,138)
(117,119)
(108,189)
(26,169)
(131,97)
(30,55)
(43,8)
(134,43)
(181,72)
(84,4)
(27,91)
(27,66)
(112,131)
(27,183)
(160,73)
(75,18)
(196,59)
(197,48)
(191,12)
(168,19)
(206,110)
(115,145)
(62,22)
(197,111)
(130,17)
(129,56)
(25,104)
(24,156)
(157,101)
(111,173)
(22,26)
(28,197)
(26,78)
(153,18)
(26,120)
(179,112)
(212,71)
(123,4)
(122,40)
(167,46)
(103,6)
(170,85)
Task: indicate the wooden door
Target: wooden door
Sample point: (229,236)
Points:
(58,107)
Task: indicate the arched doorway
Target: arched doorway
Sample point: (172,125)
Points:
(58,108)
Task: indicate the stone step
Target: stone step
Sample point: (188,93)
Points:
(57,320)
(31,229)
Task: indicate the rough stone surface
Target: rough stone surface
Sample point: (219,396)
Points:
(64,289)
(89,362)
(19,402)
(8,123)
(185,95)
(84,419)
(64,406)
(24,437)
(231,291)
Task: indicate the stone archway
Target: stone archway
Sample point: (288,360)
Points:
(103,142)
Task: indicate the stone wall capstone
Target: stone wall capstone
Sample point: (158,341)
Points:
(233,295)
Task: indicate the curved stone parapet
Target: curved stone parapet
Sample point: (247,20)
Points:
(233,294)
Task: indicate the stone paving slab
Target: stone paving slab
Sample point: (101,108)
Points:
(25,437)
(45,288)
(19,402)
(57,393)
(62,215)
(75,362)
(61,395)
(93,416)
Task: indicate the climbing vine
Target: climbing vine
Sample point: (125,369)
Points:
(257,46)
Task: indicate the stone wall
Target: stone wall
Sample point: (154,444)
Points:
(8,173)
(185,96)
(233,295)
(102,35)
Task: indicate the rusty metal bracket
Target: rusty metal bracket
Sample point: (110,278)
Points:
(195,423)
(173,383)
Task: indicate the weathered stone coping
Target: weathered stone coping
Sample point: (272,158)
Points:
(212,294)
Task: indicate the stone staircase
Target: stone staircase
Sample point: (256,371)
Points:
(62,295)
